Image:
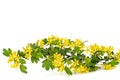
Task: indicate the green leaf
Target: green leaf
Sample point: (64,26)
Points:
(80,51)
(76,49)
(33,46)
(55,42)
(39,55)
(22,61)
(52,50)
(95,59)
(7,52)
(87,60)
(45,40)
(69,62)
(34,59)
(81,56)
(47,64)
(93,68)
(114,62)
(68,71)
(21,54)
(106,58)
(75,57)
(45,52)
(23,68)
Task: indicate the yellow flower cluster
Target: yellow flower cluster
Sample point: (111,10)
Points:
(58,62)
(61,42)
(117,55)
(79,68)
(15,59)
(64,54)
(53,38)
(95,47)
(77,43)
(66,42)
(27,51)
(40,43)
(107,66)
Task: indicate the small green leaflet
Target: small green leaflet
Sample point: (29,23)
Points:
(22,61)
(35,57)
(68,71)
(114,62)
(7,52)
(87,60)
(47,64)
(23,68)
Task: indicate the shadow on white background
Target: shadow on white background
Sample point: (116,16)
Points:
(25,21)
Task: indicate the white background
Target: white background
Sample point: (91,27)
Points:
(24,21)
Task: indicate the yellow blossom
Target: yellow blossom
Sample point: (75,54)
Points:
(58,56)
(15,59)
(79,43)
(117,55)
(15,65)
(61,68)
(75,63)
(93,48)
(78,68)
(55,39)
(109,49)
(58,62)
(50,39)
(107,66)
(81,69)
(27,51)
(103,48)
(66,42)
(60,45)
(13,56)
(40,43)
(58,39)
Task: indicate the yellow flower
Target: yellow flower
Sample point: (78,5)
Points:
(50,39)
(15,59)
(103,48)
(15,65)
(40,43)
(79,43)
(107,66)
(58,56)
(81,69)
(61,68)
(109,49)
(117,55)
(78,68)
(60,45)
(27,51)
(55,39)
(66,42)
(13,56)
(92,48)
(75,63)
(58,62)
